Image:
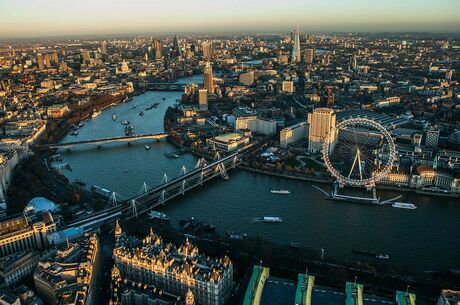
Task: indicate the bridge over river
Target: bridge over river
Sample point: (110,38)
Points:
(157,136)
(151,198)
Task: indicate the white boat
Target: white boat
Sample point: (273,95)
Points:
(147,147)
(403,205)
(158,215)
(281,192)
(383,256)
(272,219)
(95,114)
(114,117)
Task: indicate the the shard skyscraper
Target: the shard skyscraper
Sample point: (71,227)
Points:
(296,48)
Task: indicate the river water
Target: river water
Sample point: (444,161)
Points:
(427,238)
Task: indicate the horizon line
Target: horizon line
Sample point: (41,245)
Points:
(223,32)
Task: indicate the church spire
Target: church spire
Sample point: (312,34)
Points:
(118,230)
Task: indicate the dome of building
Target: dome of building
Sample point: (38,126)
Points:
(453,141)
(455,137)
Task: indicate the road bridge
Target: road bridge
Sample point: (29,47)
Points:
(157,136)
(166,86)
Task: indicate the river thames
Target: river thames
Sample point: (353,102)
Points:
(427,238)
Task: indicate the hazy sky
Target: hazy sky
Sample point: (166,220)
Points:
(19,18)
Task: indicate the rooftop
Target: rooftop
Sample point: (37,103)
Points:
(228,137)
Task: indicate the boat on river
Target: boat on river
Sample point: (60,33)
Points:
(158,215)
(280,192)
(404,205)
(271,219)
(236,235)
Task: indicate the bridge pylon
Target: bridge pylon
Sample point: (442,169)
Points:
(182,188)
(133,207)
(161,199)
(217,156)
(220,168)
(113,199)
(164,179)
(201,177)
(200,163)
(144,188)
(183,170)
(234,161)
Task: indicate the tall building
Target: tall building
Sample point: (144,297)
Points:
(432,138)
(22,233)
(309,55)
(353,62)
(296,47)
(85,55)
(207,50)
(55,58)
(104,47)
(320,121)
(156,47)
(329,96)
(40,61)
(176,270)
(47,59)
(208,79)
(203,99)
(176,47)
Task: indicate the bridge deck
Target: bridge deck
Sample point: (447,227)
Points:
(159,135)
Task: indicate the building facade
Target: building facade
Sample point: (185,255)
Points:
(208,79)
(174,269)
(67,276)
(15,267)
(320,121)
(22,233)
(203,99)
(256,124)
(294,133)
(432,138)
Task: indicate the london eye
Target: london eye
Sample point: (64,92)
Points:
(358,152)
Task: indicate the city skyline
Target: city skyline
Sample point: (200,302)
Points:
(28,18)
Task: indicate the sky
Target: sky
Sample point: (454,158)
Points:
(32,18)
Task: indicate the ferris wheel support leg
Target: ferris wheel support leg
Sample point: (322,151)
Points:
(353,166)
(359,165)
